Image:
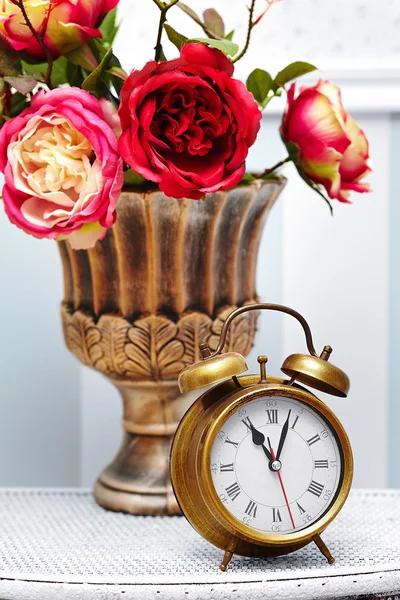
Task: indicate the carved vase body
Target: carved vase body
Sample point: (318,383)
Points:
(137,305)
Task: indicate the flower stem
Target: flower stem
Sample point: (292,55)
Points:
(252,24)
(274,168)
(249,30)
(40,41)
(164,8)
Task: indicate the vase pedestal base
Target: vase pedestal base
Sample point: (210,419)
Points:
(137,480)
(134,502)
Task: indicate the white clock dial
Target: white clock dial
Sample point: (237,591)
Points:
(271,487)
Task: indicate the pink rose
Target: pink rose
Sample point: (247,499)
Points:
(333,150)
(63,173)
(63,24)
(187,124)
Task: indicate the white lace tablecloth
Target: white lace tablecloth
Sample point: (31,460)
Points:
(58,544)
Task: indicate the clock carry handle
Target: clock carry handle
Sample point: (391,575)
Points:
(309,369)
(205,351)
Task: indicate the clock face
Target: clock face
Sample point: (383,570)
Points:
(276,465)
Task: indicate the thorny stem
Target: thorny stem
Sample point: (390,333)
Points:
(164,8)
(252,24)
(249,30)
(40,41)
(274,168)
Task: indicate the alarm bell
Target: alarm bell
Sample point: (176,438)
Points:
(317,373)
(309,369)
(211,370)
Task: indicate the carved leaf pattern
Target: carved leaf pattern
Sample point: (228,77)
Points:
(240,334)
(114,335)
(153,348)
(82,338)
(154,352)
(194,328)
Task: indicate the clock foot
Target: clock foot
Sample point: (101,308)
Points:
(226,560)
(323,549)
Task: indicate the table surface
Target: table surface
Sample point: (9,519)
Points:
(58,544)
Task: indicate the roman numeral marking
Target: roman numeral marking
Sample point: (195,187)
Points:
(315,488)
(228,441)
(224,468)
(233,491)
(247,422)
(276,515)
(251,509)
(313,440)
(321,464)
(294,423)
(301,509)
(272,415)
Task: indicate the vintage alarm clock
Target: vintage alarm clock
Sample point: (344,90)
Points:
(259,465)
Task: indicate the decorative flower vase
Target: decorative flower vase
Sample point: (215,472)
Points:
(137,305)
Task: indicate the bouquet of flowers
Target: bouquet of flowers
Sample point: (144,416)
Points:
(76,127)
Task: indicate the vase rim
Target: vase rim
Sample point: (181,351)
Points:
(276,179)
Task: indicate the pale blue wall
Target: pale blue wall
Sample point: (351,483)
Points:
(39,379)
(394,313)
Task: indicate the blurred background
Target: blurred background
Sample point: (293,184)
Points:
(60,422)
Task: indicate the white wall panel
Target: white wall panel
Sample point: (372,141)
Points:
(337,274)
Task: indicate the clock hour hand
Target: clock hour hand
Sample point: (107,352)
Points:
(258,439)
(283,436)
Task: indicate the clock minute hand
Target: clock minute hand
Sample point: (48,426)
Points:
(283,436)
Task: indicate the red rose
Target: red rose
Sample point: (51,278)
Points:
(332,149)
(187,124)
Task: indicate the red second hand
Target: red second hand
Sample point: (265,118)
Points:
(283,489)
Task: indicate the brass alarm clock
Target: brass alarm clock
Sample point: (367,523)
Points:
(259,465)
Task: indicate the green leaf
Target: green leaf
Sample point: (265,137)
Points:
(132,179)
(83,57)
(98,49)
(176,38)
(292,71)
(259,83)
(225,46)
(117,72)
(190,12)
(59,74)
(10,62)
(229,36)
(162,54)
(247,178)
(293,150)
(93,81)
(213,21)
(109,27)
(38,70)
(18,103)
(74,75)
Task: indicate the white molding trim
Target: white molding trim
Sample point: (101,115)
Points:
(365,90)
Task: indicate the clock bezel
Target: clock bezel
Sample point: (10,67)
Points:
(192,479)
(231,406)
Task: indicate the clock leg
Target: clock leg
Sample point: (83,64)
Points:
(226,560)
(324,550)
(228,555)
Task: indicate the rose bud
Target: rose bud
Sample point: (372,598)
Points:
(332,149)
(187,124)
(64,25)
(63,173)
